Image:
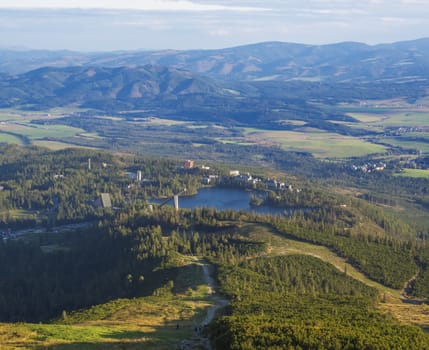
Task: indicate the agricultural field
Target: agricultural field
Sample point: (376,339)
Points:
(415,173)
(393,118)
(414,119)
(107,131)
(321,144)
(11,139)
(56,145)
(18,127)
(401,127)
(422,147)
(34,131)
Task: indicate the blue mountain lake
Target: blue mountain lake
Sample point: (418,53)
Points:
(222,199)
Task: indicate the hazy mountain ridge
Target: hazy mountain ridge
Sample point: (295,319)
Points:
(340,62)
(53,86)
(264,83)
(157,90)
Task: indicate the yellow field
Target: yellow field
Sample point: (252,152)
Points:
(368,118)
(56,146)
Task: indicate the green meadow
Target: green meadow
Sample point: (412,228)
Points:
(34,131)
(407,144)
(319,143)
(415,173)
(137,323)
(6,138)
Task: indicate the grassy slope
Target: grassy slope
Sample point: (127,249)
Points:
(147,322)
(150,322)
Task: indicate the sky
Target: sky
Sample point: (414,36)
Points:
(105,25)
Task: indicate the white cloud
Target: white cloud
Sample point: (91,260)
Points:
(219,32)
(396,20)
(335,12)
(145,5)
(414,2)
(121,24)
(151,24)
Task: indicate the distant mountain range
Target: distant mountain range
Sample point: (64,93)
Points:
(151,90)
(61,86)
(341,62)
(257,84)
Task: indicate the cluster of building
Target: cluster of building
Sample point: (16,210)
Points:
(245,180)
(369,167)
(233,177)
(406,129)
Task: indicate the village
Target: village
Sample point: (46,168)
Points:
(231,178)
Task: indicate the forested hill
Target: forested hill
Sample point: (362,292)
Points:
(61,86)
(158,90)
(182,94)
(339,62)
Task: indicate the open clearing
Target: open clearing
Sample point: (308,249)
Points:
(321,144)
(416,173)
(413,145)
(34,131)
(56,145)
(393,118)
(6,138)
(146,322)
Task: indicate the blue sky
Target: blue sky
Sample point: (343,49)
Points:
(102,25)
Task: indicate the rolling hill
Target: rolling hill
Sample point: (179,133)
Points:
(258,85)
(339,62)
(159,90)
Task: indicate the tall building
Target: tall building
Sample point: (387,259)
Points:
(139,176)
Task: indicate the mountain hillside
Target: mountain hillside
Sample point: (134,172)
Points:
(340,62)
(46,87)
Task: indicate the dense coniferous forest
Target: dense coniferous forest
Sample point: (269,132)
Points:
(332,138)
(298,302)
(309,300)
(136,249)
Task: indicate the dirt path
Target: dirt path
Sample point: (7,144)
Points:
(200,341)
(219,302)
